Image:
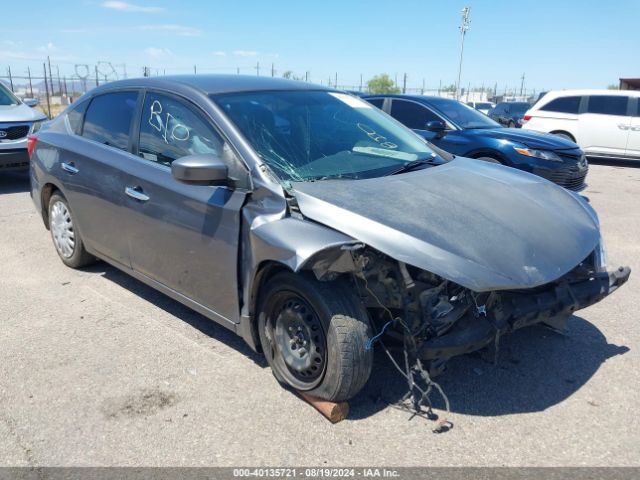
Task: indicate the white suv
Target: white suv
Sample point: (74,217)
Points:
(605,123)
(17,121)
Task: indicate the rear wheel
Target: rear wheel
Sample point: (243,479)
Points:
(65,235)
(314,334)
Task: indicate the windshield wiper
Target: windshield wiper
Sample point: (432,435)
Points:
(413,165)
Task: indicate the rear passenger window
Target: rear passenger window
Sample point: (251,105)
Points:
(608,104)
(170,130)
(563,105)
(108,119)
(75,115)
(411,114)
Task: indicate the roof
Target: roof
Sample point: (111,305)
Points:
(213,84)
(599,91)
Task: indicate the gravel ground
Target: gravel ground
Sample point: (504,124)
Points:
(98,369)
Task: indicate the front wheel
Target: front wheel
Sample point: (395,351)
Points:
(313,335)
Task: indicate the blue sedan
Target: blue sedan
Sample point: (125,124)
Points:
(462,130)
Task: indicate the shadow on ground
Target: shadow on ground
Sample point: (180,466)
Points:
(14,182)
(614,162)
(536,368)
(193,318)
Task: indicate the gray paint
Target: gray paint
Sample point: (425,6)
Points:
(205,245)
(481,225)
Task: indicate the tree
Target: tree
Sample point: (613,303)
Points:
(382,84)
(288,74)
(613,86)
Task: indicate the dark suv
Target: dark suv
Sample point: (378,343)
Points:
(463,131)
(509,114)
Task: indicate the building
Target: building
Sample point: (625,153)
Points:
(630,84)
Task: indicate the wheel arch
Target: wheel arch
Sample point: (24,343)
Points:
(46,192)
(564,132)
(487,152)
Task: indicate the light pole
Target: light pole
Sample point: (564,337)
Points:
(466,11)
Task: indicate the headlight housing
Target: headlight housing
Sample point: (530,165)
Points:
(543,154)
(36,126)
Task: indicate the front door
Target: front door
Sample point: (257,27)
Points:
(183,236)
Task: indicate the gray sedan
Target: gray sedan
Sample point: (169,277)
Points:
(311,223)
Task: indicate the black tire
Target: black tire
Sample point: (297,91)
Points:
(66,239)
(296,308)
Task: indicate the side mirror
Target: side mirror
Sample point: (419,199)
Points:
(31,102)
(437,127)
(203,169)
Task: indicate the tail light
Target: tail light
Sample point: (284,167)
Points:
(526,118)
(31,144)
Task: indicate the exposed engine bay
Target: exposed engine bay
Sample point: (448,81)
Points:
(434,319)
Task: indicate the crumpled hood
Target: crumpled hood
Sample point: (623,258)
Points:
(481,225)
(529,138)
(19,113)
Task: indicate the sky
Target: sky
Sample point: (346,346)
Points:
(554,43)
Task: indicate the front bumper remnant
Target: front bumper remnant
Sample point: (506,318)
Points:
(510,310)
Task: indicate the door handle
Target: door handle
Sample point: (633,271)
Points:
(137,193)
(69,167)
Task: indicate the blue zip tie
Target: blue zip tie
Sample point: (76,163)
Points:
(372,340)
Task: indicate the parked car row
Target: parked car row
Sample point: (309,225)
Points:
(509,114)
(17,121)
(604,123)
(310,222)
(463,131)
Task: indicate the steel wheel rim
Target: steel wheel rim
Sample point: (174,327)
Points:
(62,231)
(298,342)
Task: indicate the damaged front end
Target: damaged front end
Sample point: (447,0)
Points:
(441,319)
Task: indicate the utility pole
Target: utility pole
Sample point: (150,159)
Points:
(404,84)
(306,76)
(195,70)
(273,70)
(97,79)
(422,91)
(466,12)
(10,78)
(258,68)
(30,85)
(439,87)
(336,84)
(59,84)
(238,70)
(521,84)
(360,82)
(46,88)
(50,77)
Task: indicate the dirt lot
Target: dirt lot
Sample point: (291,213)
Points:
(98,369)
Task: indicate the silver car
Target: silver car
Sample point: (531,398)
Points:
(17,121)
(310,223)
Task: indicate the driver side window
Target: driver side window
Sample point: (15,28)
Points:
(169,130)
(411,114)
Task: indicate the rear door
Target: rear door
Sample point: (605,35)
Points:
(92,167)
(604,126)
(184,236)
(633,142)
